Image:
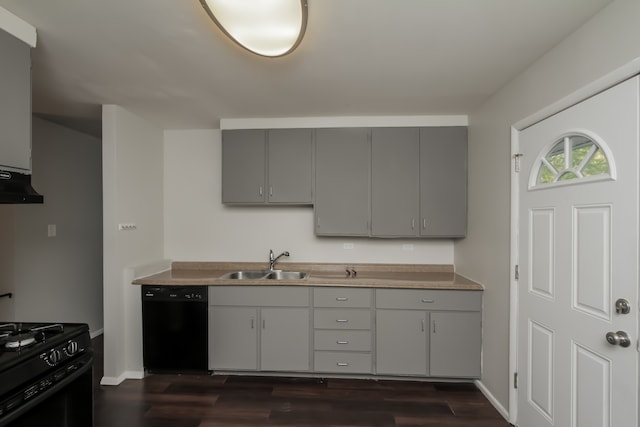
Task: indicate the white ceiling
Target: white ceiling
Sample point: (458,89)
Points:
(165,60)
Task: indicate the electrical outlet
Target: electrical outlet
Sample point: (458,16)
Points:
(348,246)
(127,226)
(51,230)
(407,247)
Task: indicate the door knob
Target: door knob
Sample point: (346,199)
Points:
(620,338)
(623,306)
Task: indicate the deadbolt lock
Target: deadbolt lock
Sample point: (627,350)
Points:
(623,306)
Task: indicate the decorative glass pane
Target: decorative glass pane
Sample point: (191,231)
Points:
(598,165)
(572,158)
(546,175)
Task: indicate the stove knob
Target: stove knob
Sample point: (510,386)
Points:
(54,357)
(71,348)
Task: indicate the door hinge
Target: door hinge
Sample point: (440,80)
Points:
(516,162)
(516,273)
(515,380)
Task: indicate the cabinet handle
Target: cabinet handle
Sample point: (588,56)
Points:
(264,324)
(342,299)
(413,223)
(260,191)
(342,342)
(422,325)
(424,223)
(253,323)
(434,326)
(342,364)
(342,320)
(270,191)
(427,301)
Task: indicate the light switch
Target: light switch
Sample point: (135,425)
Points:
(51,230)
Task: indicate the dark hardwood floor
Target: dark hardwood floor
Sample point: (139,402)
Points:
(232,401)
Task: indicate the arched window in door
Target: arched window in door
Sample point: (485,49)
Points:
(572,159)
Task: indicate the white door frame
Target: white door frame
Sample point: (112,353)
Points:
(599,85)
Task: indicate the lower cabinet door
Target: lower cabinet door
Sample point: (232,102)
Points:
(402,341)
(284,343)
(456,340)
(233,338)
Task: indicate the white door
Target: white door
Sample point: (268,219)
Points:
(577,256)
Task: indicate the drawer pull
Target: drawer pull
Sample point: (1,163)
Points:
(427,301)
(342,299)
(342,320)
(347,342)
(342,364)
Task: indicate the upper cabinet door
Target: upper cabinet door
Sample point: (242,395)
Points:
(243,166)
(290,166)
(395,164)
(443,181)
(342,182)
(15,104)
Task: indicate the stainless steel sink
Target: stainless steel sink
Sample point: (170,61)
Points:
(265,275)
(286,275)
(245,275)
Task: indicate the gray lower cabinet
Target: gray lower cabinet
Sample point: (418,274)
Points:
(15,104)
(341,204)
(284,339)
(345,331)
(455,343)
(264,328)
(402,342)
(233,338)
(436,333)
(267,166)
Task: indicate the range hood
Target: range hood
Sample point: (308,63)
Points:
(15,188)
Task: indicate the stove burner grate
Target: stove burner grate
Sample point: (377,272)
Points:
(15,338)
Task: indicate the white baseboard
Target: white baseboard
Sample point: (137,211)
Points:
(127,375)
(97,333)
(501,409)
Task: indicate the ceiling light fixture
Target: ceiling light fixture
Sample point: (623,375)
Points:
(265,27)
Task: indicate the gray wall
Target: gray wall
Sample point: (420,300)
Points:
(608,41)
(58,278)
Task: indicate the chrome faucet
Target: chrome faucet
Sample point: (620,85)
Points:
(273,260)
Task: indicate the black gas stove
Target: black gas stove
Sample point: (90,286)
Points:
(44,368)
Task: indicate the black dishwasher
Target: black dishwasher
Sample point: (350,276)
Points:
(174,329)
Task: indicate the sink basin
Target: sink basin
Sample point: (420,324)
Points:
(286,275)
(265,275)
(246,275)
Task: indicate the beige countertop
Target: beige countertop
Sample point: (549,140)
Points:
(410,276)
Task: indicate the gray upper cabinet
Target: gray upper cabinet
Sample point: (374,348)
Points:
(272,166)
(395,179)
(15,104)
(443,182)
(342,182)
(290,166)
(243,166)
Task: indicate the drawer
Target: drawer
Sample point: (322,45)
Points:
(342,340)
(429,299)
(342,297)
(342,362)
(328,318)
(260,296)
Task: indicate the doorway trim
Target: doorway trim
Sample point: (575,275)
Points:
(599,85)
